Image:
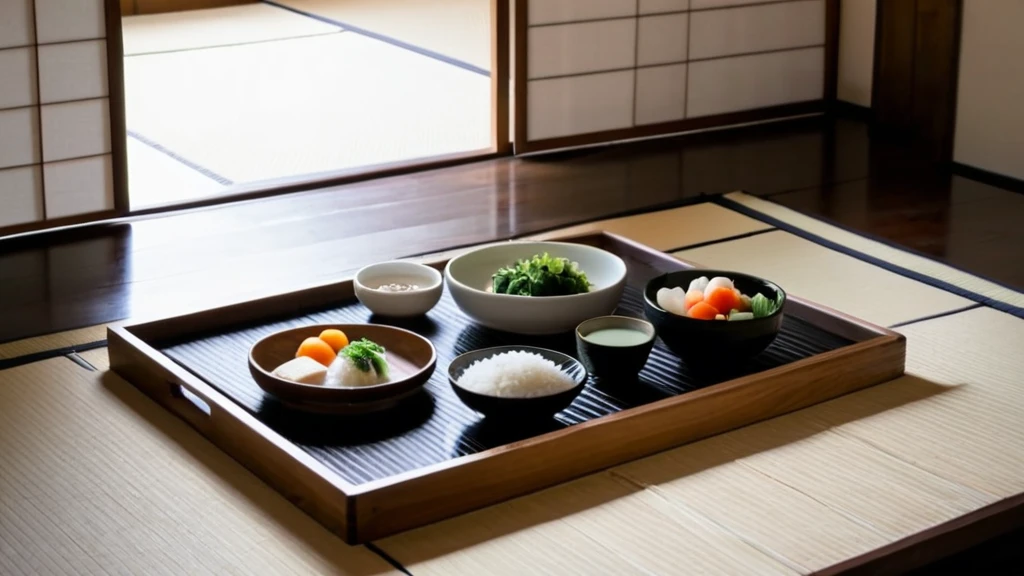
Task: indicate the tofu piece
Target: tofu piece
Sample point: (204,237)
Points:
(302,370)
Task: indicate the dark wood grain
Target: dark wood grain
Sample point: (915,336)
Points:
(500,75)
(936,71)
(831,50)
(675,126)
(892,88)
(115,91)
(172,263)
(520,20)
(950,537)
(917,53)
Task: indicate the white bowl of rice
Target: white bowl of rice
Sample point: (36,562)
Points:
(517,381)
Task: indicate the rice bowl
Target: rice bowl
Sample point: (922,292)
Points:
(515,374)
(517,381)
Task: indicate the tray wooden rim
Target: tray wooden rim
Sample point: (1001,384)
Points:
(336,502)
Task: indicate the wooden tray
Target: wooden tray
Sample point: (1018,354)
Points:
(432,457)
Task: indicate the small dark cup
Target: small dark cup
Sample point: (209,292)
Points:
(616,362)
(535,408)
(705,343)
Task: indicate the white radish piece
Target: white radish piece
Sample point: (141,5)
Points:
(718,282)
(719,316)
(672,300)
(677,301)
(698,284)
(664,297)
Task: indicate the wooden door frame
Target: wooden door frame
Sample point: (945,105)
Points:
(500,142)
(889,65)
(500,145)
(115,98)
(522,144)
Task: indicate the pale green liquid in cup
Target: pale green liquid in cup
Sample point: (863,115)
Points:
(617,337)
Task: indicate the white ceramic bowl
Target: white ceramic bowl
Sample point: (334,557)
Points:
(469,275)
(398,304)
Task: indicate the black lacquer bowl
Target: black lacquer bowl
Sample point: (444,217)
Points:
(622,362)
(706,343)
(502,408)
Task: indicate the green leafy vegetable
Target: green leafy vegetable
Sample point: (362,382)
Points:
(366,353)
(541,276)
(761,306)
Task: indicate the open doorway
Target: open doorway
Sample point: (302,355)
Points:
(229,98)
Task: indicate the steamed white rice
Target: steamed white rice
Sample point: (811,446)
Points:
(343,373)
(515,374)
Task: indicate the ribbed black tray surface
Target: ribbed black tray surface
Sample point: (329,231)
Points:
(435,426)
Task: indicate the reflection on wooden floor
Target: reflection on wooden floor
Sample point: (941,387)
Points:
(832,168)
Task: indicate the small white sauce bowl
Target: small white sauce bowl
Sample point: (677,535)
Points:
(398,304)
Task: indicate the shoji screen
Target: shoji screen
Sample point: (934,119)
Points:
(55,114)
(599,70)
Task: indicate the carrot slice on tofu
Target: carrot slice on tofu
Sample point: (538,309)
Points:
(703,311)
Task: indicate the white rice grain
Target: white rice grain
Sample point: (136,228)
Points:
(515,375)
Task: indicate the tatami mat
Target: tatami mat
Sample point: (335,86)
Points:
(807,490)
(852,241)
(600,524)
(306,105)
(101,479)
(458,29)
(191,29)
(98,479)
(156,178)
(49,342)
(972,432)
(98,358)
(670,229)
(828,277)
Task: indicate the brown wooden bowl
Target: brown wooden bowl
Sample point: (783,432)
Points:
(411,361)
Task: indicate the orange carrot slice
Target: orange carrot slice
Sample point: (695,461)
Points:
(703,311)
(318,350)
(692,297)
(336,338)
(724,300)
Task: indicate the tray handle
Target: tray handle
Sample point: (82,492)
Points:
(189,404)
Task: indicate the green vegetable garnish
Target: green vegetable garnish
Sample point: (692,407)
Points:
(541,276)
(761,306)
(364,354)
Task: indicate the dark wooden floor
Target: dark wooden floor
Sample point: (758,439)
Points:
(833,168)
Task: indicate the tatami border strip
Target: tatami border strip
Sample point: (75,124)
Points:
(234,44)
(386,39)
(74,357)
(720,240)
(912,274)
(175,156)
(48,354)
(868,235)
(387,558)
(936,316)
